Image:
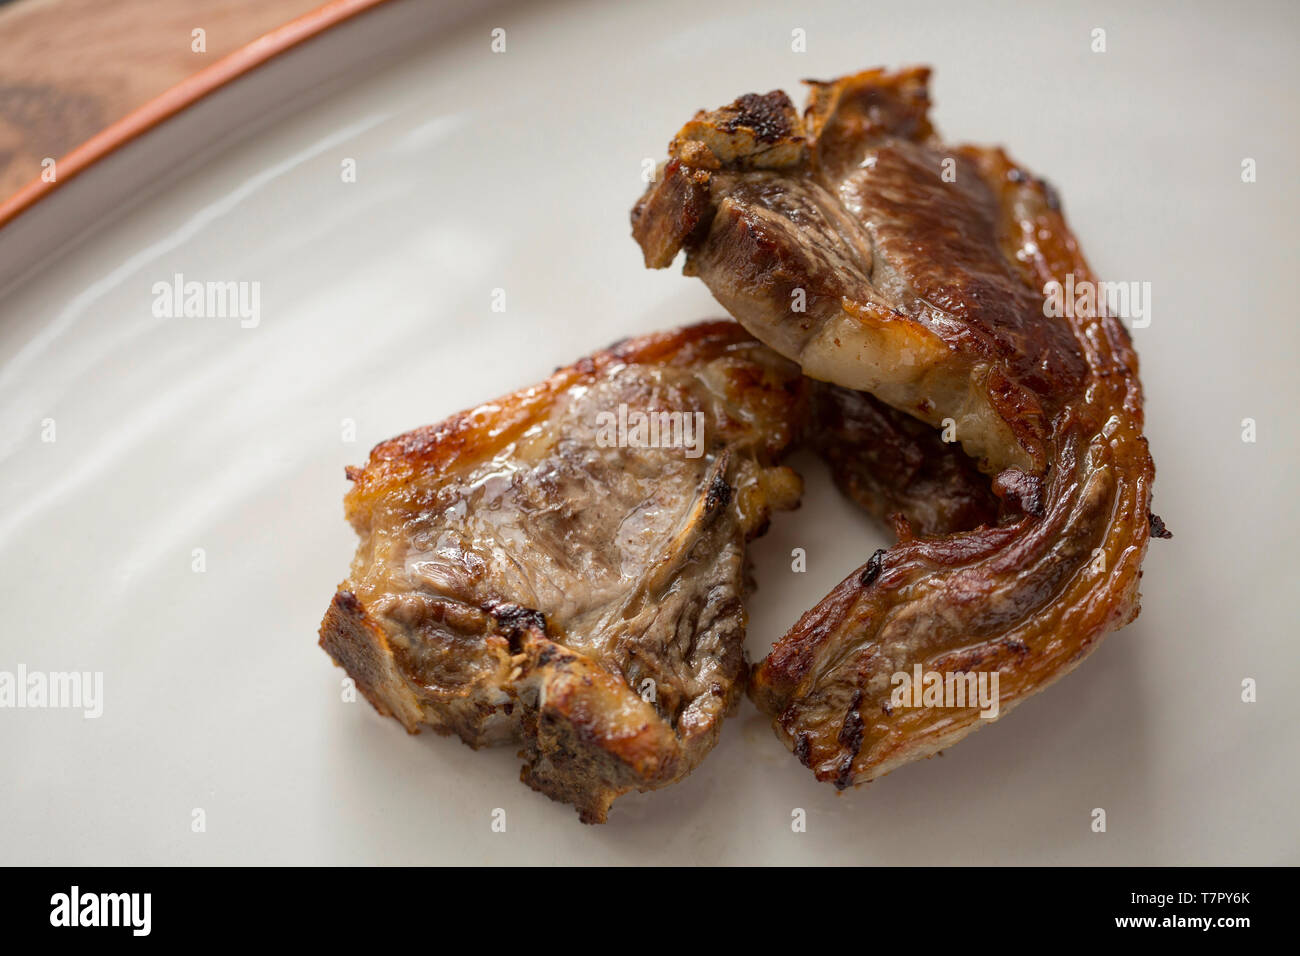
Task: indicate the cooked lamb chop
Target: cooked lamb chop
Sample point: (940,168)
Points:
(854,242)
(522,578)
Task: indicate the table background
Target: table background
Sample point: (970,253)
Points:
(69,68)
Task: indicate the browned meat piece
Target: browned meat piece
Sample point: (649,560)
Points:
(839,243)
(853,241)
(896,466)
(523,578)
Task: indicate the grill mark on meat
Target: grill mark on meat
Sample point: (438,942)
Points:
(802,749)
(767,115)
(874,565)
(719,495)
(515,621)
(514,617)
(850,738)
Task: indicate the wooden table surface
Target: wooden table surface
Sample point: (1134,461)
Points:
(69,68)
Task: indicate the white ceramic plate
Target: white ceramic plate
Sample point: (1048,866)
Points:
(478,171)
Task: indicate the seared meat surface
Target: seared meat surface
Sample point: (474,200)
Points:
(853,241)
(527,574)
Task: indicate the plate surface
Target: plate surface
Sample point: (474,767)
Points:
(184,443)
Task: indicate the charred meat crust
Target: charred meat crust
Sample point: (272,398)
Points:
(520,581)
(926,291)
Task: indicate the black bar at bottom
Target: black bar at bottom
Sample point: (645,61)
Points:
(239,905)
